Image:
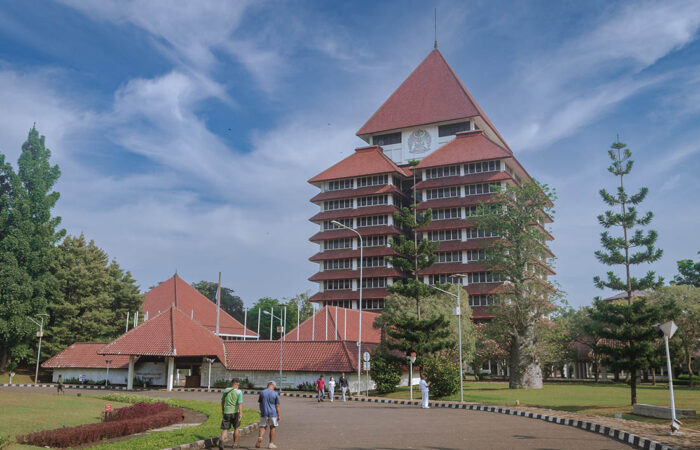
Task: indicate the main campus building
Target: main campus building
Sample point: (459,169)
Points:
(431,119)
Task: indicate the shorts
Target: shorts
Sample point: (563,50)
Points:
(230,420)
(265,421)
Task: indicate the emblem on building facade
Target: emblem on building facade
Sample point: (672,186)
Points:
(419,141)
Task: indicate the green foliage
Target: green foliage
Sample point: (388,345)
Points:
(386,370)
(230,303)
(616,250)
(443,376)
(688,272)
(489,345)
(5,441)
(92,296)
(221,384)
(301,301)
(427,336)
(580,327)
(28,233)
(306,386)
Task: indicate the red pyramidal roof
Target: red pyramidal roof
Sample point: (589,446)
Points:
(84,355)
(468,146)
(432,93)
(170,333)
(314,328)
(175,291)
(365,161)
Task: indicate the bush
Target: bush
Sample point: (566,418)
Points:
(443,376)
(386,371)
(246,384)
(221,384)
(306,386)
(141,382)
(5,442)
(136,410)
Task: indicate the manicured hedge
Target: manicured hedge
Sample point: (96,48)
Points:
(141,409)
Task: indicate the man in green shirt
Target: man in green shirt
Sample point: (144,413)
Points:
(232,411)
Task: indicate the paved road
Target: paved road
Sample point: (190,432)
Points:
(309,425)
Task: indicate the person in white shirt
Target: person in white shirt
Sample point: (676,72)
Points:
(424,389)
(331,387)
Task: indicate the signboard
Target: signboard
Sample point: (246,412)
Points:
(108,407)
(82,378)
(457,311)
(365,366)
(39,334)
(365,356)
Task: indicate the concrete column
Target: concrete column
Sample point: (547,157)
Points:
(171,369)
(566,370)
(130,375)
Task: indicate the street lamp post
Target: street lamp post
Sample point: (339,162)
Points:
(209,360)
(108,361)
(280,329)
(667,330)
(459,328)
(40,334)
(359,333)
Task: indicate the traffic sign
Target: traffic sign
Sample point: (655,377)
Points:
(365,366)
(108,407)
(82,378)
(365,356)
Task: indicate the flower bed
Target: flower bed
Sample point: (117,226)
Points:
(135,419)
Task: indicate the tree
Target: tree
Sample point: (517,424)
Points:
(28,234)
(488,347)
(386,370)
(300,301)
(582,329)
(442,374)
(553,346)
(629,339)
(299,304)
(681,304)
(92,298)
(428,336)
(230,303)
(688,272)
(521,258)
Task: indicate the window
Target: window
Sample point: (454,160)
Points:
(440,172)
(375,180)
(453,128)
(475,255)
(443,214)
(442,279)
(483,166)
(473,233)
(374,241)
(329,225)
(337,285)
(337,204)
(370,221)
(333,244)
(481,300)
(335,264)
(442,193)
(445,235)
(481,188)
(371,201)
(368,283)
(482,277)
(373,303)
(387,139)
(339,303)
(339,185)
(474,210)
(374,261)
(446,257)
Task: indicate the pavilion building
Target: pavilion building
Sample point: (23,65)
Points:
(431,118)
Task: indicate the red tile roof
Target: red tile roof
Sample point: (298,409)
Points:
(455,202)
(348,295)
(349,253)
(447,224)
(483,288)
(466,179)
(469,244)
(431,93)
(170,333)
(482,312)
(468,146)
(365,161)
(345,317)
(361,192)
(368,272)
(346,213)
(188,299)
(84,355)
(379,230)
(449,268)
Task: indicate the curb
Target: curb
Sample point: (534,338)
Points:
(213,441)
(73,386)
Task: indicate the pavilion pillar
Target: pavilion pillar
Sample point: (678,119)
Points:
(130,376)
(171,369)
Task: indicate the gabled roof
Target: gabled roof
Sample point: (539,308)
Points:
(170,333)
(345,317)
(431,93)
(468,146)
(365,161)
(175,291)
(83,355)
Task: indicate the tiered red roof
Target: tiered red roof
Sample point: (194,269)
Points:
(175,291)
(365,161)
(361,192)
(84,355)
(350,253)
(338,319)
(350,212)
(349,274)
(374,293)
(170,333)
(468,146)
(462,180)
(379,230)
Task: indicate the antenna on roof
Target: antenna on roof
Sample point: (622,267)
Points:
(435,29)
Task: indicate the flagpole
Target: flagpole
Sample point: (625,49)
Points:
(245,324)
(218,304)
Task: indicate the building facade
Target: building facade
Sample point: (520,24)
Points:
(431,119)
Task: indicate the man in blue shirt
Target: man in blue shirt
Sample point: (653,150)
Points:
(269,413)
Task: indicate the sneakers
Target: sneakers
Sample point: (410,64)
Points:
(271,445)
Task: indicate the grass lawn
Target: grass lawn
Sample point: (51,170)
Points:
(22,413)
(19,378)
(163,439)
(585,398)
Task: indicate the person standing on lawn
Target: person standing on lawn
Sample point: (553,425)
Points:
(331,388)
(320,388)
(59,385)
(424,389)
(231,411)
(343,383)
(269,413)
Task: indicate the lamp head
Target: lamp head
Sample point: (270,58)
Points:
(666,329)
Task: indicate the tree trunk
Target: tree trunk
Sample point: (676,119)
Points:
(525,370)
(689,363)
(633,390)
(5,358)
(596,370)
(616,377)
(653,377)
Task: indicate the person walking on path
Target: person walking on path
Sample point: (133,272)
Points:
(343,382)
(231,412)
(269,413)
(424,389)
(331,388)
(320,388)
(59,385)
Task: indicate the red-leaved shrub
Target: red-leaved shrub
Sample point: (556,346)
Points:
(74,436)
(134,411)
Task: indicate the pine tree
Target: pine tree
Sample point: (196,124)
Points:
(427,336)
(688,272)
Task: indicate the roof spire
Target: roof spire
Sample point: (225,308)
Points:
(435,46)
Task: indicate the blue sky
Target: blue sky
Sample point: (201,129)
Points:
(186,131)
